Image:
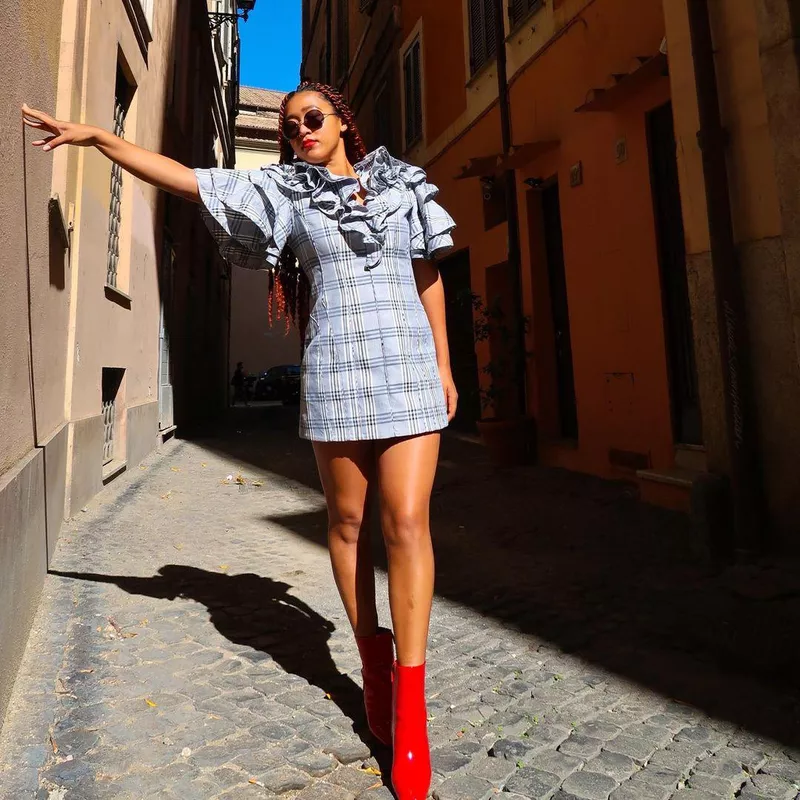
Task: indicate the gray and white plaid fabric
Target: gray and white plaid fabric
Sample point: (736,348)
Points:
(369,370)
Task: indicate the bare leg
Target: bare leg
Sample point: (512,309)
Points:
(345,469)
(406,469)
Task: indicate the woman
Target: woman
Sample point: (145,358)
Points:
(376,382)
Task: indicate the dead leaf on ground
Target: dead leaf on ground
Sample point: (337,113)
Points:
(150,703)
(61,687)
(167,495)
(53,744)
(258,483)
(241,480)
(254,782)
(224,567)
(370,770)
(203,464)
(178,546)
(175,469)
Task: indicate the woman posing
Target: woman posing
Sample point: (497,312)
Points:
(376,382)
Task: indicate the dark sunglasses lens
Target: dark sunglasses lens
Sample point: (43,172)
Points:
(314,120)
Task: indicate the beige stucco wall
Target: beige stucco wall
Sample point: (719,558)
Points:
(29,47)
(29,55)
(106,333)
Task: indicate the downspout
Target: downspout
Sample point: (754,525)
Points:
(328,40)
(511,198)
(749,517)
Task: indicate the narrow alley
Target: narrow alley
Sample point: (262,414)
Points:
(190,643)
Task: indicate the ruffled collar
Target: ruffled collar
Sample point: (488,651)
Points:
(364,225)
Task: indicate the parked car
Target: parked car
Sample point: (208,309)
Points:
(279,383)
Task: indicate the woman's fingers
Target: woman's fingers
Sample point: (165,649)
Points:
(35,114)
(55,141)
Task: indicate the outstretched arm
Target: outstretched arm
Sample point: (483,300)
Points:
(158,170)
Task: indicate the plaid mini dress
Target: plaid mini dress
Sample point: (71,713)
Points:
(369,368)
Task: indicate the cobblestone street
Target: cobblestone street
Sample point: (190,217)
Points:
(190,643)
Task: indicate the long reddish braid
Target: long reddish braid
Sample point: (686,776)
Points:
(288,287)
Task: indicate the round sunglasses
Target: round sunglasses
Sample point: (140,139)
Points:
(314,119)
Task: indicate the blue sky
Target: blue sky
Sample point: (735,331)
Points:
(271,43)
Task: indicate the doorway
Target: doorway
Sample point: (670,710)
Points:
(461,337)
(684,395)
(559,308)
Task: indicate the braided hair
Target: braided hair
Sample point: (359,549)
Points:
(289,289)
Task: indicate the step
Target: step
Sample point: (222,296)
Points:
(675,476)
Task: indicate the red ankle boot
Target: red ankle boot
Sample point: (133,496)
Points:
(411,770)
(377,657)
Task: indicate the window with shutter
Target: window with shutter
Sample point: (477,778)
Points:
(519,10)
(412,87)
(482,41)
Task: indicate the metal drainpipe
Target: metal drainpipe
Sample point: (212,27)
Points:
(749,535)
(514,259)
(328,40)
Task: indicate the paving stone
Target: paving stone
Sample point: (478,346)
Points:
(614,765)
(284,779)
(347,751)
(534,784)
(637,749)
(694,794)
(581,746)
(640,791)
(782,768)
(701,734)
(511,749)
(768,787)
(325,791)
(464,787)
(378,793)
(556,763)
(495,770)
(445,761)
(589,785)
(656,776)
(352,779)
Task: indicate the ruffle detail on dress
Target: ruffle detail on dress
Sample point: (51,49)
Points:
(246,213)
(365,226)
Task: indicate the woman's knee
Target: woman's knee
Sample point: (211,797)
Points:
(345,527)
(405,527)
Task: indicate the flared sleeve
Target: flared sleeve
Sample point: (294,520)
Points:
(431,225)
(247,214)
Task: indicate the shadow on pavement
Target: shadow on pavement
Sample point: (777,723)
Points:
(258,612)
(583,565)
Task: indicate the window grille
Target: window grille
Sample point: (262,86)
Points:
(121,104)
(112,378)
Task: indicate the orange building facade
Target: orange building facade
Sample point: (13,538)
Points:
(616,273)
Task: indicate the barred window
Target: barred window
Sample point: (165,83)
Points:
(112,379)
(122,98)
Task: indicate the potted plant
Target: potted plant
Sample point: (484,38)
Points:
(509,433)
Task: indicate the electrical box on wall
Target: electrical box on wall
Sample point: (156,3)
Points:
(576,174)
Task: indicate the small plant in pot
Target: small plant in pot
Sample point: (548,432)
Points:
(509,434)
